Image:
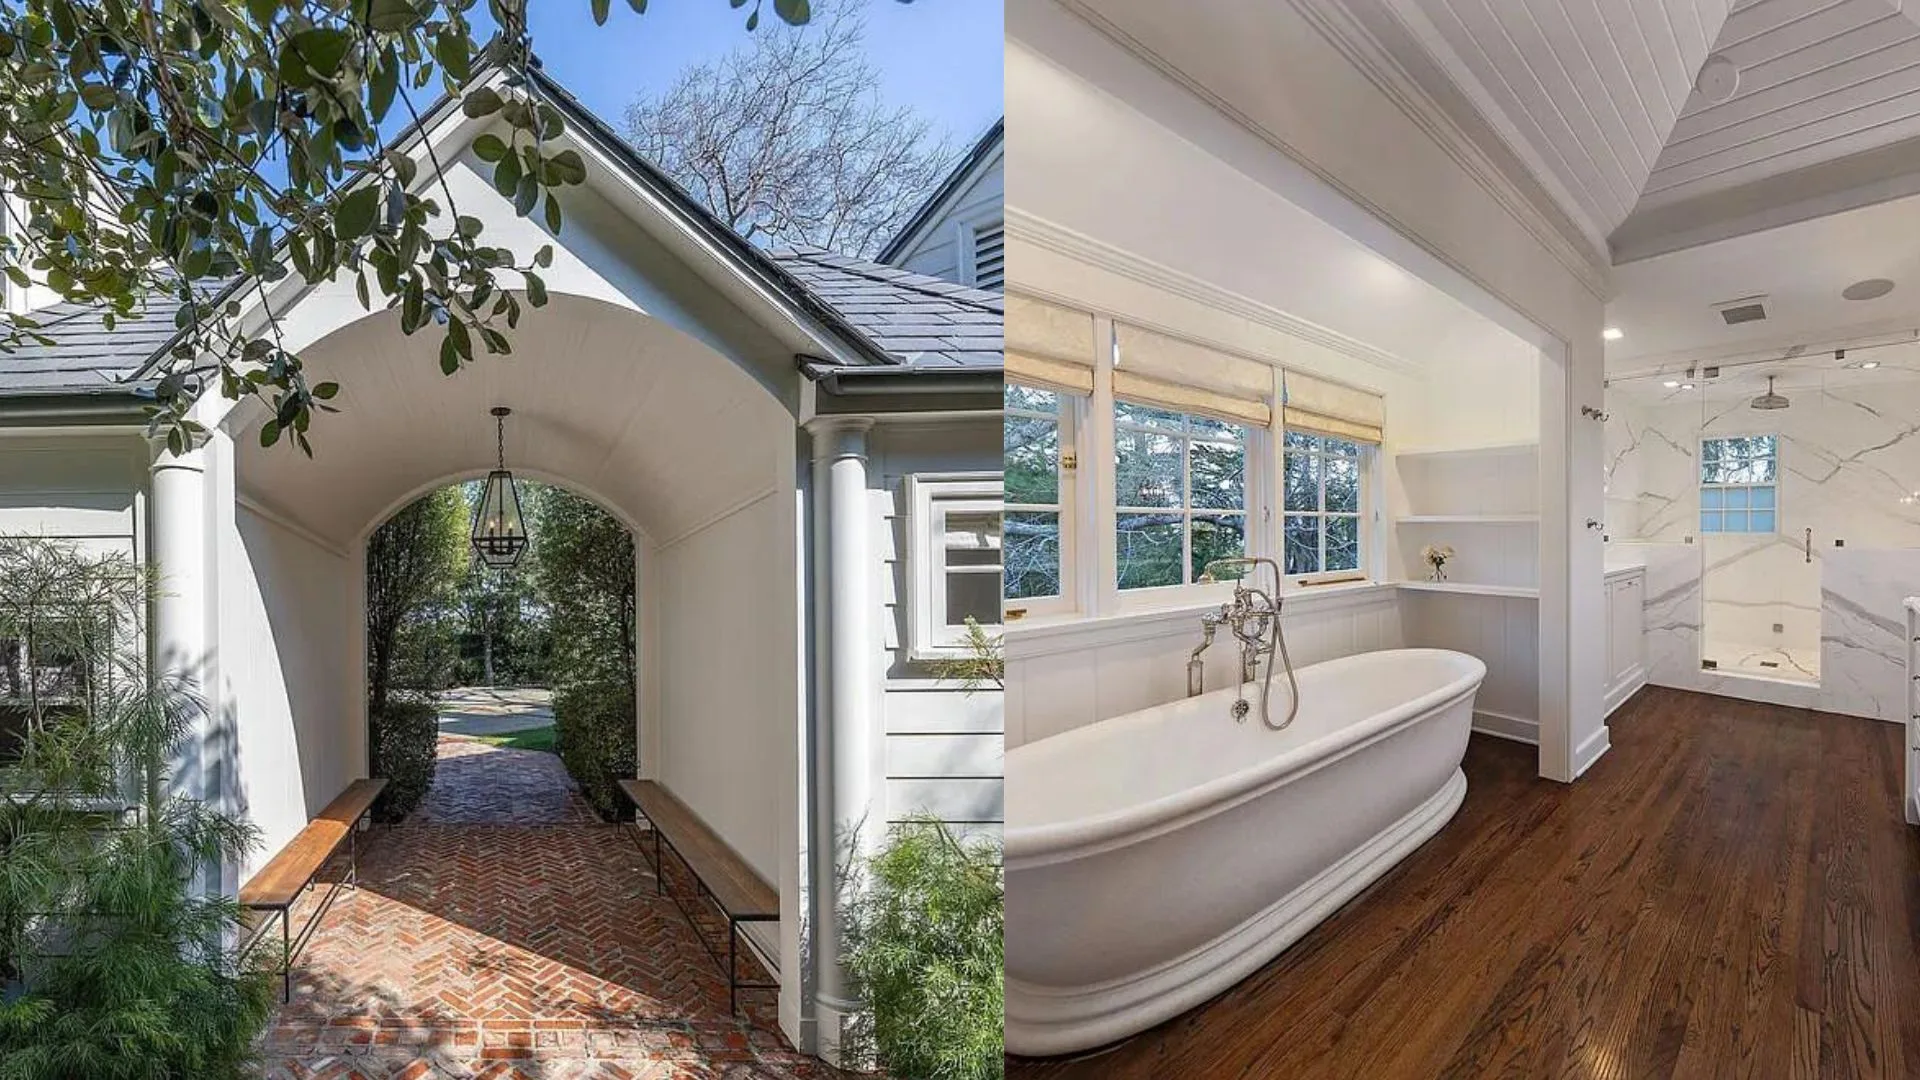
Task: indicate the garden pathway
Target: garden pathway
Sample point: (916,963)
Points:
(504,931)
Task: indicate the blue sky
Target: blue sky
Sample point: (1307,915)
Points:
(941,57)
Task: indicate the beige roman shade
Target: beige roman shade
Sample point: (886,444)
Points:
(1049,346)
(1320,407)
(1154,369)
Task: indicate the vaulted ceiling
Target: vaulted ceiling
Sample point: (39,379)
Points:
(1662,124)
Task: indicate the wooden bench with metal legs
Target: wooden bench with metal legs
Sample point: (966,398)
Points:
(723,877)
(291,871)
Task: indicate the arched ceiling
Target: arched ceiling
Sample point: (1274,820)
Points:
(665,430)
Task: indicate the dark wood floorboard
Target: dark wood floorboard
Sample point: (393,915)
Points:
(1730,892)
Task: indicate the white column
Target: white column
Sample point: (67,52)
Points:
(845,647)
(177,551)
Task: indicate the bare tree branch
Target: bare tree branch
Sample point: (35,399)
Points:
(788,141)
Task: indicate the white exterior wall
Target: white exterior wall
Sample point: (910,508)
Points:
(944,248)
(726,675)
(943,752)
(288,672)
(86,489)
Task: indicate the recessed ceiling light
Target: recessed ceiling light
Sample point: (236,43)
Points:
(1686,386)
(1869,365)
(1870,289)
(1612,333)
(1671,383)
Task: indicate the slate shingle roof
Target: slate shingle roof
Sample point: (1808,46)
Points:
(85,355)
(926,322)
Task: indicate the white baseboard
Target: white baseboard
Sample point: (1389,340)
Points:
(1511,728)
(1624,692)
(1589,752)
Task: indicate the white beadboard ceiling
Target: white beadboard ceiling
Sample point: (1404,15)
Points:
(1586,91)
(1598,98)
(1818,79)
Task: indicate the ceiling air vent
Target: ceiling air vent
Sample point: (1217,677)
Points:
(1744,310)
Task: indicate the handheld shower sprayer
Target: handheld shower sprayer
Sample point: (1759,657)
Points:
(1253,615)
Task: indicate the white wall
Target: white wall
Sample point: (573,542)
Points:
(944,248)
(285,660)
(943,750)
(727,679)
(84,489)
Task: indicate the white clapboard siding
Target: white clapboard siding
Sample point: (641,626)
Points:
(949,800)
(975,756)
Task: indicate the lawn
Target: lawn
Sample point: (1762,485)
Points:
(539,738)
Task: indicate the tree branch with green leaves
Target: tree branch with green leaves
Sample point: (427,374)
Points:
(169,148)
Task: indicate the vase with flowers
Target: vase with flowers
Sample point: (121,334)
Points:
(1436,556)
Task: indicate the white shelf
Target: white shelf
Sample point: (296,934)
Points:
(1520,592)
(1497,450)
(1468,519)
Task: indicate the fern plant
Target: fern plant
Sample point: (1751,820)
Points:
(115,941)
(926,949)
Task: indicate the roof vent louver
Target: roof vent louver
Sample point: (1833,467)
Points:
(1744,310)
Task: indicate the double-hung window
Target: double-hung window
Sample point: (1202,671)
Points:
(1038,529)
(1322,480)
(1738,478)
(1180,494)
(954,559)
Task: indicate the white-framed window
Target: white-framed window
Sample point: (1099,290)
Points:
(1739,478)
(954,550)
(1323,495)
(1039,525)
(1180,494)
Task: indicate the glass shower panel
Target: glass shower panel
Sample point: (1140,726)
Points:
(1755,466)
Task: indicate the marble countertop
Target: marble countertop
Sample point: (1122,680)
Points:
(1618,566)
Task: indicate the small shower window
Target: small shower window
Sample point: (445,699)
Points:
(1738,484)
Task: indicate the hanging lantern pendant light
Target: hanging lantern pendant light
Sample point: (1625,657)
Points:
(499,532)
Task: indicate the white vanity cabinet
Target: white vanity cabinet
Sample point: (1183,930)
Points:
(1626,634)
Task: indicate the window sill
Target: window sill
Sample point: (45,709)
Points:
(1049,635)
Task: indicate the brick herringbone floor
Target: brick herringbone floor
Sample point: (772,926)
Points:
(477,783)
(477,949)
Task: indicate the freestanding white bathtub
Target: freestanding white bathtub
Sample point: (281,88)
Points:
(1157,858)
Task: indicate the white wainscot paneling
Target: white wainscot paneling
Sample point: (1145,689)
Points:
(1504,632)
(1067,675)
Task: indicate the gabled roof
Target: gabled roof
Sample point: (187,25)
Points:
(923,321)
(983,148)
(901,321)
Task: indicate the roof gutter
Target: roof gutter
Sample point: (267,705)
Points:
(842,381)
(119,405)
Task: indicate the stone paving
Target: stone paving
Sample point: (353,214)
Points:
(504,931)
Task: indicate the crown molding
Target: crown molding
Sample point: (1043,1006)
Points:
(1523,198)
(1041,233)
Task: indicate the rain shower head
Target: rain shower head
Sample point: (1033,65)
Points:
(1770,400)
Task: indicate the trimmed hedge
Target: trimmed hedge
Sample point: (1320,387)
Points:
(406,743)
(594,734)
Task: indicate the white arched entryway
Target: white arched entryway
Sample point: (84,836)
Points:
(687,446)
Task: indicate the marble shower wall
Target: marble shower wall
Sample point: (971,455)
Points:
(1849,470)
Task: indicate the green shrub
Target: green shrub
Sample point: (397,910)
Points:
(594,732)
(406,744)
(925,949)
(113,959)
